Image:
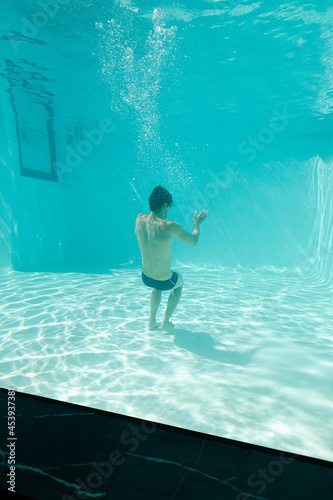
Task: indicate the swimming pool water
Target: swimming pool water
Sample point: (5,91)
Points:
(228,104)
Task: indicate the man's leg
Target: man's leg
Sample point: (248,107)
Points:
(155,300)
(172,304)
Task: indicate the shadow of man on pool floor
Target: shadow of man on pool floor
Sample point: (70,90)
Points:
(204,345)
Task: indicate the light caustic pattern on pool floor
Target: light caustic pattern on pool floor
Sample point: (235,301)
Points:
(250,357)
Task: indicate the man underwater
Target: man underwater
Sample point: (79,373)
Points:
(155,235)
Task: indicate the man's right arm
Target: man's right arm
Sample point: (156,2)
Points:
(184,236)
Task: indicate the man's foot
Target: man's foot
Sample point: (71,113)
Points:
(153,326)
(167,325)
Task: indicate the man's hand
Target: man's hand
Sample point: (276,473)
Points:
(198,219)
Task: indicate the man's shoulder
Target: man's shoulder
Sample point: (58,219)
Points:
(171,226)
(138,222)
(139,216)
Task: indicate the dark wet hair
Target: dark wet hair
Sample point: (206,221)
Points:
(158,197)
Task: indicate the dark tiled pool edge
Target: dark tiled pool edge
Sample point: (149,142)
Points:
(68,451)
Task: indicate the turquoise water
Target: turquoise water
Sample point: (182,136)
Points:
(229,106)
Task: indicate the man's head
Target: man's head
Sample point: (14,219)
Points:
(160,198)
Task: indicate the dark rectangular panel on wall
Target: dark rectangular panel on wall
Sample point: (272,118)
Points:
(31,102)
(36,146)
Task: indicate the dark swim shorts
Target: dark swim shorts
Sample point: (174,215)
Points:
(160,285)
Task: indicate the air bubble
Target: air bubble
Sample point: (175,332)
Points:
(158,13)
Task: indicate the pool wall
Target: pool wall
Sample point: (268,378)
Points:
(260,214)
(263,176)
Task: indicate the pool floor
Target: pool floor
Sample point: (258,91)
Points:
(250,357)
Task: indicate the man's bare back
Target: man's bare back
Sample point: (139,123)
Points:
(155,241)
(155,236)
